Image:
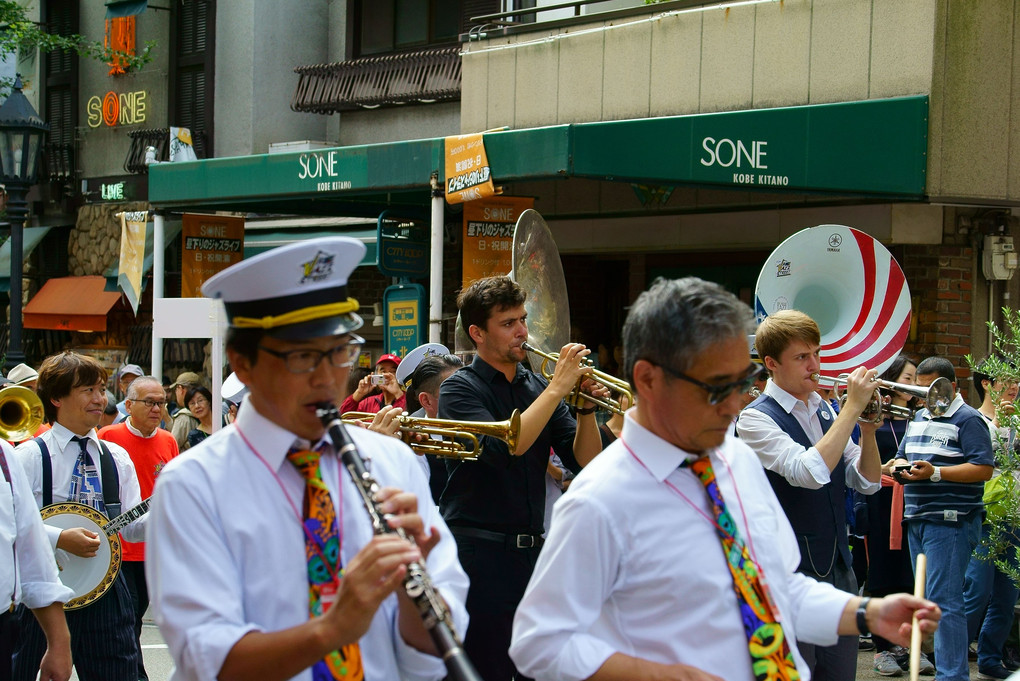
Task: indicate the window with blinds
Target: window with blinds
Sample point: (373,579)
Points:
(60,92)
(193,49)
(386,26)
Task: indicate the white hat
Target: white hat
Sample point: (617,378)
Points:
(292,292)
(22,374)
(413,359)
(232,389)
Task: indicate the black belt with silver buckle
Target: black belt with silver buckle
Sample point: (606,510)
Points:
(511,541)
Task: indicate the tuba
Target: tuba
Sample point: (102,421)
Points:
(853,288)
(452,434)
(21,413)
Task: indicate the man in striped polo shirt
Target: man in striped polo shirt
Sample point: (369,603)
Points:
(950,457)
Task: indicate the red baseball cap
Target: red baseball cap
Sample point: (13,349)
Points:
(388,358)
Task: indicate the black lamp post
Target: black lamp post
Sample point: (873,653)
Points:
(21,135)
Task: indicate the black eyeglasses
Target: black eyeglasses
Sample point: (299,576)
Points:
(306,361)
(149,404)
(718,393)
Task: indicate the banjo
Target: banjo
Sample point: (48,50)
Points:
(89,578)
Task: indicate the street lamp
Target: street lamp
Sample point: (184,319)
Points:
(21,135)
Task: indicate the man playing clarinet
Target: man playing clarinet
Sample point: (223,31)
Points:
(262,562)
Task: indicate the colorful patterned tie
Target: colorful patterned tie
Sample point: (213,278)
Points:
(322,551)
(85,486)
(770,652)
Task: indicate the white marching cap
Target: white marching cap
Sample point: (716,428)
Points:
(413,359)
(293,292)
(232,389)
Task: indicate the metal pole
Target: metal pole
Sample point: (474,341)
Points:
(158,268)
(17,211)
(436,265)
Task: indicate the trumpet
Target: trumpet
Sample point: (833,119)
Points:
(576,397)
(21,413)
(452,433)
(936,398)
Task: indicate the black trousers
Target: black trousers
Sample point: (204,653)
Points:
(498,577)
(103,643)
(134,574)
(8,639)
(838,662)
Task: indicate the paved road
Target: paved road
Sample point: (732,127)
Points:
(158,665)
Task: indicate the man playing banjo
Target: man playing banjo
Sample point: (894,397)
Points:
(68,463)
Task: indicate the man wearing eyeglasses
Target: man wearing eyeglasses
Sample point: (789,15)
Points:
(670,557)
(811,460)
(262,561)
(150,448)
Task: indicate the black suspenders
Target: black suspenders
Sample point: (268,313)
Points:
(110,481)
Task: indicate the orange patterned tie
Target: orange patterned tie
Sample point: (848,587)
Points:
(322,550)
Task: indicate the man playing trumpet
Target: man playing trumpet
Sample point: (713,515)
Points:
(810,461)
(496,506)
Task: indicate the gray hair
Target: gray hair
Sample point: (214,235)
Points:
(676,320)
(136,385)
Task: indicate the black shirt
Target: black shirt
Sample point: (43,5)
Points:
(501,492)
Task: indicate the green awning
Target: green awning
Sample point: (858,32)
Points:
(872,149)
(261,240)
(31,238)
(170,232)
(116,9)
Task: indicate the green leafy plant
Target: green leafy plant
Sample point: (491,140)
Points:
(1003,365)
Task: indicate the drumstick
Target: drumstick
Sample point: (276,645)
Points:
(915,628)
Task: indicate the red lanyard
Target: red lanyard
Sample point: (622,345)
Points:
(334,572)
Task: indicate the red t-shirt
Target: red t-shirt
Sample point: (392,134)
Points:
(371,404)
(149,454)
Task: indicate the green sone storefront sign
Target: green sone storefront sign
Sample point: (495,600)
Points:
(870,148)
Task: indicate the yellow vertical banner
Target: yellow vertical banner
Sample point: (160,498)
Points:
(468,176)
(132,255)
(210,243)
(489,235)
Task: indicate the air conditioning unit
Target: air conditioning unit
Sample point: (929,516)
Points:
(300,145)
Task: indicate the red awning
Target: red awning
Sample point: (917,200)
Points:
(71,304)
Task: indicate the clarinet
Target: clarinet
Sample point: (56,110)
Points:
(417,583)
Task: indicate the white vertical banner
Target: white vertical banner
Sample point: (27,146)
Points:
(181,148)
(132,254)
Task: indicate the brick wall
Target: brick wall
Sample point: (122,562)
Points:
(941,285)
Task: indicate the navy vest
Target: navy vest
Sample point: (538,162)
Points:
(818,516)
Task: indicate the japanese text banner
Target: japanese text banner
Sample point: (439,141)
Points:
(211,243)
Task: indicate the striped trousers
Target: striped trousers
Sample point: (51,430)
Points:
(103,643)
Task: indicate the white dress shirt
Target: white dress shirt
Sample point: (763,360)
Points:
(778,452)
(63,457)
(27,569)
(631,567)
(226,554)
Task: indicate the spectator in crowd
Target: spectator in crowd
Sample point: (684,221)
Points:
(889,569)
(125,375)
(989,594)
(184,421)
(24,375)
(199,401)
(150,448)
(949,458)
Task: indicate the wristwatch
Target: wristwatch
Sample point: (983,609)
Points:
(936,474)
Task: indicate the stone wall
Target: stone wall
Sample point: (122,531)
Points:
(94,243)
